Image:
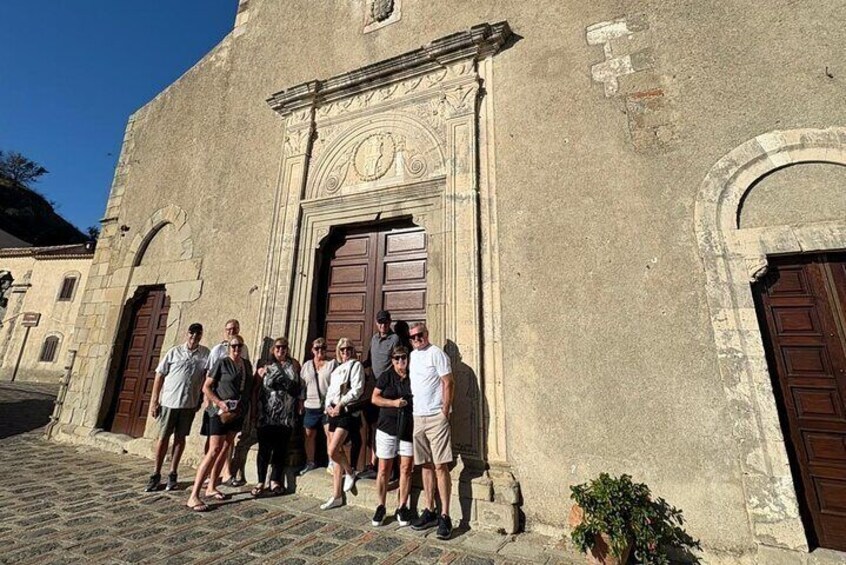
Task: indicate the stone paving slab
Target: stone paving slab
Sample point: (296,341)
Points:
(92,510)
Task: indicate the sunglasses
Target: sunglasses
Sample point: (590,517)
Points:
(319,348)
(400,357)
(236,345)
(415,337)
(195,333)
(347,349)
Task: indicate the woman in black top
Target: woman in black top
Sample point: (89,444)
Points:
(227,388)
(278,400)
(394,433)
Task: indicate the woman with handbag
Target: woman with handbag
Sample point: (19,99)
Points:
(277,400)
(345,387)
(394,434)
(227,389)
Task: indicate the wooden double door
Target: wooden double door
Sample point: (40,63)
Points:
(141,352)
(367,270)
(802,307)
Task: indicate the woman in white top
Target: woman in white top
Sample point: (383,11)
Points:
(315,375)
(345,387)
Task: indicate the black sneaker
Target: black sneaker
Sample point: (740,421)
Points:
(426,520)
(444,527)
(379,516)
(153,483)
(404,516)
(171,482)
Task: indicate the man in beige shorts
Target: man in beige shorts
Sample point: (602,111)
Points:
(432,387)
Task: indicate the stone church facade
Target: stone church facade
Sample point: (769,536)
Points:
(624,223)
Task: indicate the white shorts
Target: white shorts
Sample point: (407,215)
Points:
(388,447)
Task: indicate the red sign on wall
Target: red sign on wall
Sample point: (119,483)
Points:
(30,319)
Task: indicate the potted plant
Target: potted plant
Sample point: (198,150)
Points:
(615,519)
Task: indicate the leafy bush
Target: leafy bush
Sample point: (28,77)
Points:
(626,513)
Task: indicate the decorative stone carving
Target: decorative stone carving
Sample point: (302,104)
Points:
(379,13)
(296,142)
(380,10)
(374,156)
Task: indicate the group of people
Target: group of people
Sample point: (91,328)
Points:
(393,407)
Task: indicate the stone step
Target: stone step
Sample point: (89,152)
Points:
(471,503)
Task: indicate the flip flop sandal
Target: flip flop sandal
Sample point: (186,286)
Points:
(277,491)
(218,496)
(201,507)
(257,492)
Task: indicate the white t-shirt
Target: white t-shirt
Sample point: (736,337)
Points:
(425,369)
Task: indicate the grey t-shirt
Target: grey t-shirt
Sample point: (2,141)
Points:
(380,352)
(230,381)
(183,371)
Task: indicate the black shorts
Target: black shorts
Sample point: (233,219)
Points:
(371,413)
(218,428)
(344,421)
(204,429)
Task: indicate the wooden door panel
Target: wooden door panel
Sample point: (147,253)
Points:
(348,303)
(801,310)
(825,447)
(405,271)
(404,301)
(143,348)
(404,242)
(348,275)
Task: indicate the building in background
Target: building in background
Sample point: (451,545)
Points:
(624,222)
(40,297)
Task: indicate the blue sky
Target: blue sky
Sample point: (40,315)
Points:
(71,73)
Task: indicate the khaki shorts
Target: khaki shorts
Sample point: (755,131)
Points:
(432,440)
(175,421)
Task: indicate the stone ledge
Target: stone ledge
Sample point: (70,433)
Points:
(477,513)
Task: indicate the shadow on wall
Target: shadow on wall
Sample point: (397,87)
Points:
(469,427)
(25,415)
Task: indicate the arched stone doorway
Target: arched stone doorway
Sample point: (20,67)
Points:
(735,257)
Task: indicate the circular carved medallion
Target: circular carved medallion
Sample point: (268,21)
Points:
(374,156)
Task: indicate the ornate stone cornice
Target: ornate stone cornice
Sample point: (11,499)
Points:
(478,42)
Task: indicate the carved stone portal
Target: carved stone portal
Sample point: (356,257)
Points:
(397,139)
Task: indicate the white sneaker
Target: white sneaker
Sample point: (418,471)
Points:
(332,503)
(330,468)
(349,482)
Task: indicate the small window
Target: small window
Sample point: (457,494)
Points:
(49,349)
(68,286)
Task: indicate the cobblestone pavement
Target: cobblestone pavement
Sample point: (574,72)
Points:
(90,508)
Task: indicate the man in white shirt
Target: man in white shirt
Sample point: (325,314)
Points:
(432,386)
(177,391)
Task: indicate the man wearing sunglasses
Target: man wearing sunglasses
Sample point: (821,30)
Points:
(433,387)
(177,392)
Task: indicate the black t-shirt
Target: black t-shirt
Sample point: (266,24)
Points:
(393,387)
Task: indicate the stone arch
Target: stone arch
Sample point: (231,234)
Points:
(170,214)
(733,258)
(416,154)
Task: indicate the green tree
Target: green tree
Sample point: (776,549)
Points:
(18,169)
